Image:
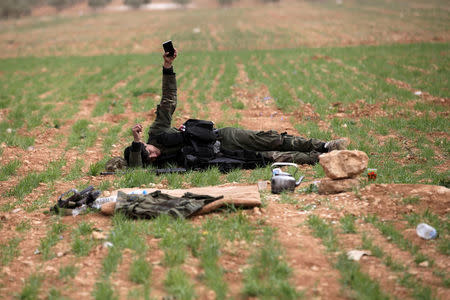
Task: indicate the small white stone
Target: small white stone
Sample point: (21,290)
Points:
(424,264)
(8,130)
(107,245)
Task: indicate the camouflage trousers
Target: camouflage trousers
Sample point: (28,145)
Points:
(272,145)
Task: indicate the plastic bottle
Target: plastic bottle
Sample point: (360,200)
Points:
(99,201)
(78,210)
(425,231)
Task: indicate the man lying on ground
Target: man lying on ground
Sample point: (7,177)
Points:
(198,144)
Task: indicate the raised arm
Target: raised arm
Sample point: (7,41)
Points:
(168,104)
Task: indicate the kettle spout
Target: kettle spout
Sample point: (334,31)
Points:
(299,181)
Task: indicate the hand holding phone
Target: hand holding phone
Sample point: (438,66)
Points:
(170,53)
(168,48)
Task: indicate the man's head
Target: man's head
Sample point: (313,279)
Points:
(147,154)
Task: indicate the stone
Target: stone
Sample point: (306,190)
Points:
(99,235)
(341,164)
(108,208)
(424,264)
(329,186)
(356,255)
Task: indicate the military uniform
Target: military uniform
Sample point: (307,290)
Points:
(154,204)
(272,145)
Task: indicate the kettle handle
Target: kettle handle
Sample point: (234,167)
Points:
(287,164)
(283,164)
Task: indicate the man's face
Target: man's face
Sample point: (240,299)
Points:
(153,152)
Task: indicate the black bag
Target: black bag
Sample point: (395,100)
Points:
(198,151)
(199,140)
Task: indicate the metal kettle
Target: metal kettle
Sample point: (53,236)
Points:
(283,181)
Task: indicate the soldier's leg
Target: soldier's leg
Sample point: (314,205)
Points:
(297,143)
(300,158)
(241,139)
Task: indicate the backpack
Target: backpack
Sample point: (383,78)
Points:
(201,149)
(199,139)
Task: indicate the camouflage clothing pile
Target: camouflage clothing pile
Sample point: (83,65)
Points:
(154,204)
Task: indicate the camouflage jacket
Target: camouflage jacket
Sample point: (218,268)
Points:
(154,204)
(162,122)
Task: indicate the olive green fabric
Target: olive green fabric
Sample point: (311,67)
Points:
(272,145)
(162,122)
(157,203)
(300,158)
(164,112)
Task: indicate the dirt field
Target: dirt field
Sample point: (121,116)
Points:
(248,25)
(66,111)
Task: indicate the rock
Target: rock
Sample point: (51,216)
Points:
(99,235)
(424,264)
(356,255)
(108,208)
(256,211)
(328,186)
(7,271)
(50,269)
(15,211)
(107,245)
(340,164)
(9,130)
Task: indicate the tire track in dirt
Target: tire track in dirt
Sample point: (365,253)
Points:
(363,109)
(373,267)
(33,238)
(259,110)
(425,96)
(89,267)
(425,274)
(234,261)
(28,263)
(214,107)
(305,254)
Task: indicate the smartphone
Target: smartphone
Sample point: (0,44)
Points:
(168,47)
